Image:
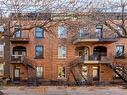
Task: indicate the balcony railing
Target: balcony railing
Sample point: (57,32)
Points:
(23,37)
(93,37)
(17,58)
(94,59)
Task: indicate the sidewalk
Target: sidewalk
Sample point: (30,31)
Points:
(61,90)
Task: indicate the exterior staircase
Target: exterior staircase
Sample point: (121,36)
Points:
(121,72)
(76,72)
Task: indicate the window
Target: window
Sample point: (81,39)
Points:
(18,31)
(61,72)
(39,51)
(1,29)
(39,32)
(99,31)
(39,72)
(61,52)
(119,51)
(83,32)
(1,69)
(1,50)
(62,32)
(120,31)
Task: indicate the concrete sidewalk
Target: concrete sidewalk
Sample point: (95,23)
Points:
(61,90)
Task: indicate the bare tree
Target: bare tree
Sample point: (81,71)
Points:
(112,14)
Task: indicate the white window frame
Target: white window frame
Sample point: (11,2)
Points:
(40,74)
(62,34)
(62,53)
(1,69)
(1,50)
(83,31)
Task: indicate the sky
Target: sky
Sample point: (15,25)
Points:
(7,6)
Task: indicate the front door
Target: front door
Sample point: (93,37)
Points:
(96,74)
(17,74)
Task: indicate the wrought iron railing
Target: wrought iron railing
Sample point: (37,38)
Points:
(21,36)
(94,35)
(93,58)
(17,58)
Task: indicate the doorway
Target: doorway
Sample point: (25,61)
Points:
(96,74)
(83,51)
(16,74)
(99,52)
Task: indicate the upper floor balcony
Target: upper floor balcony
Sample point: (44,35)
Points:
(20,38)
(93,37)
(94,59)
(17,58)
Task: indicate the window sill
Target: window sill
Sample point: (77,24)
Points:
(120,57)
(62,58)
(39,38)
(39,58)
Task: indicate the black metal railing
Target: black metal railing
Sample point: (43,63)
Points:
(93,58)
(94,35)
(21,36)
(17,58)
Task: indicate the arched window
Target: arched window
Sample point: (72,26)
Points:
(39,32)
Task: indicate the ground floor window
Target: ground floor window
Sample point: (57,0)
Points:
(40,72)
(96,73)
(1,69)
(61,72)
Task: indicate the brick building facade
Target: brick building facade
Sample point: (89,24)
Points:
(39,54)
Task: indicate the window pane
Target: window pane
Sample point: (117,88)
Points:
(83,32)
(39,51)
(1,69)
(99,31)
(61,72)
(18,31)
(62,32)
(1,50)
(62,52)
(1,29)
(119,51)
(39,72)
(39,32)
